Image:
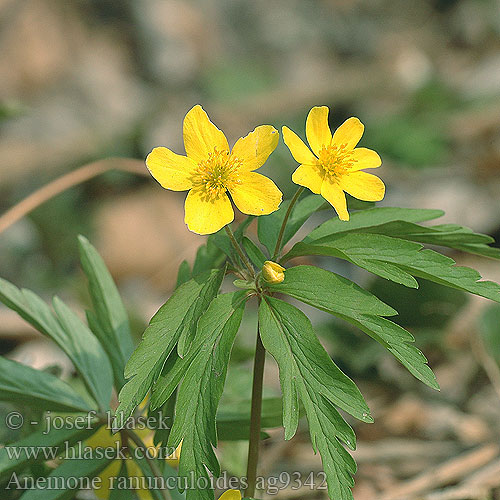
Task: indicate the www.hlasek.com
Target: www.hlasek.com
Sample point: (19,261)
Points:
(81,451)
(270,485)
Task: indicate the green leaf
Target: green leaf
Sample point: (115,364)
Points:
(353,204)
(308,373)
(91,361)
(184,273)
(244,284)
(118,493)
(109,322)
(64,474)
(176,319)
(432,306)
(343,298)
(384,269)
(398,260)
(233,420)
(37,447)
(221,240)
(446,235)
(269,225)
(489,327)
(330,291)
(69,333)
(208,256)
(163,415)
(372,217)
(208,292)
(203,373)
(254,252)
(114,356)
(218,248)
(288,335)
(167,471)
(175,367)
(26,386)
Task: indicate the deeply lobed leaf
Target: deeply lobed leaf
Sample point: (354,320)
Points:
(308,373)
(372,217)
(343,298)
(37,389)
(69,333)
(109,320)
(176,320)
(201,374)
(399,260)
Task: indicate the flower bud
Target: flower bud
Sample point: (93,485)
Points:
(272,272)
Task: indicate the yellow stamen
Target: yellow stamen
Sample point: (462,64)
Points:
(336,160)
(217,174)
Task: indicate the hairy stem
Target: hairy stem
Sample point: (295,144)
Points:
(277,248)
(240,251)
(255,417)
(151,462)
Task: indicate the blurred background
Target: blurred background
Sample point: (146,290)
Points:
(89,79)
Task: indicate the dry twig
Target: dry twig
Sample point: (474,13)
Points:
(67,181)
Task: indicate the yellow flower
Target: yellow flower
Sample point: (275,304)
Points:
(231,495)
(103,439)
(272,272)
(336,164)
(210,170)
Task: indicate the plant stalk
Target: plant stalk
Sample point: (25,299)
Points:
(67,181)
(238,248)
(255,417)
(277,248)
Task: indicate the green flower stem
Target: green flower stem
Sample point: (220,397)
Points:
(255,417)
(152,464)
(238,248)
(277,248)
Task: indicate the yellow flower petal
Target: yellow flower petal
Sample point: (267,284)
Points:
(349,133)
(364,186)
(309,176)
(255,148)
(103,437)
(333,193)
(173,458)
(111,471)
(136,475)
(365,158)
(231,495)
(171,170)
(201,135)
(206,215)
(317,129)
(256,194)
(300,152)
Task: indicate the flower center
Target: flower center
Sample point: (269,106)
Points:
(217,174)
(335,160)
